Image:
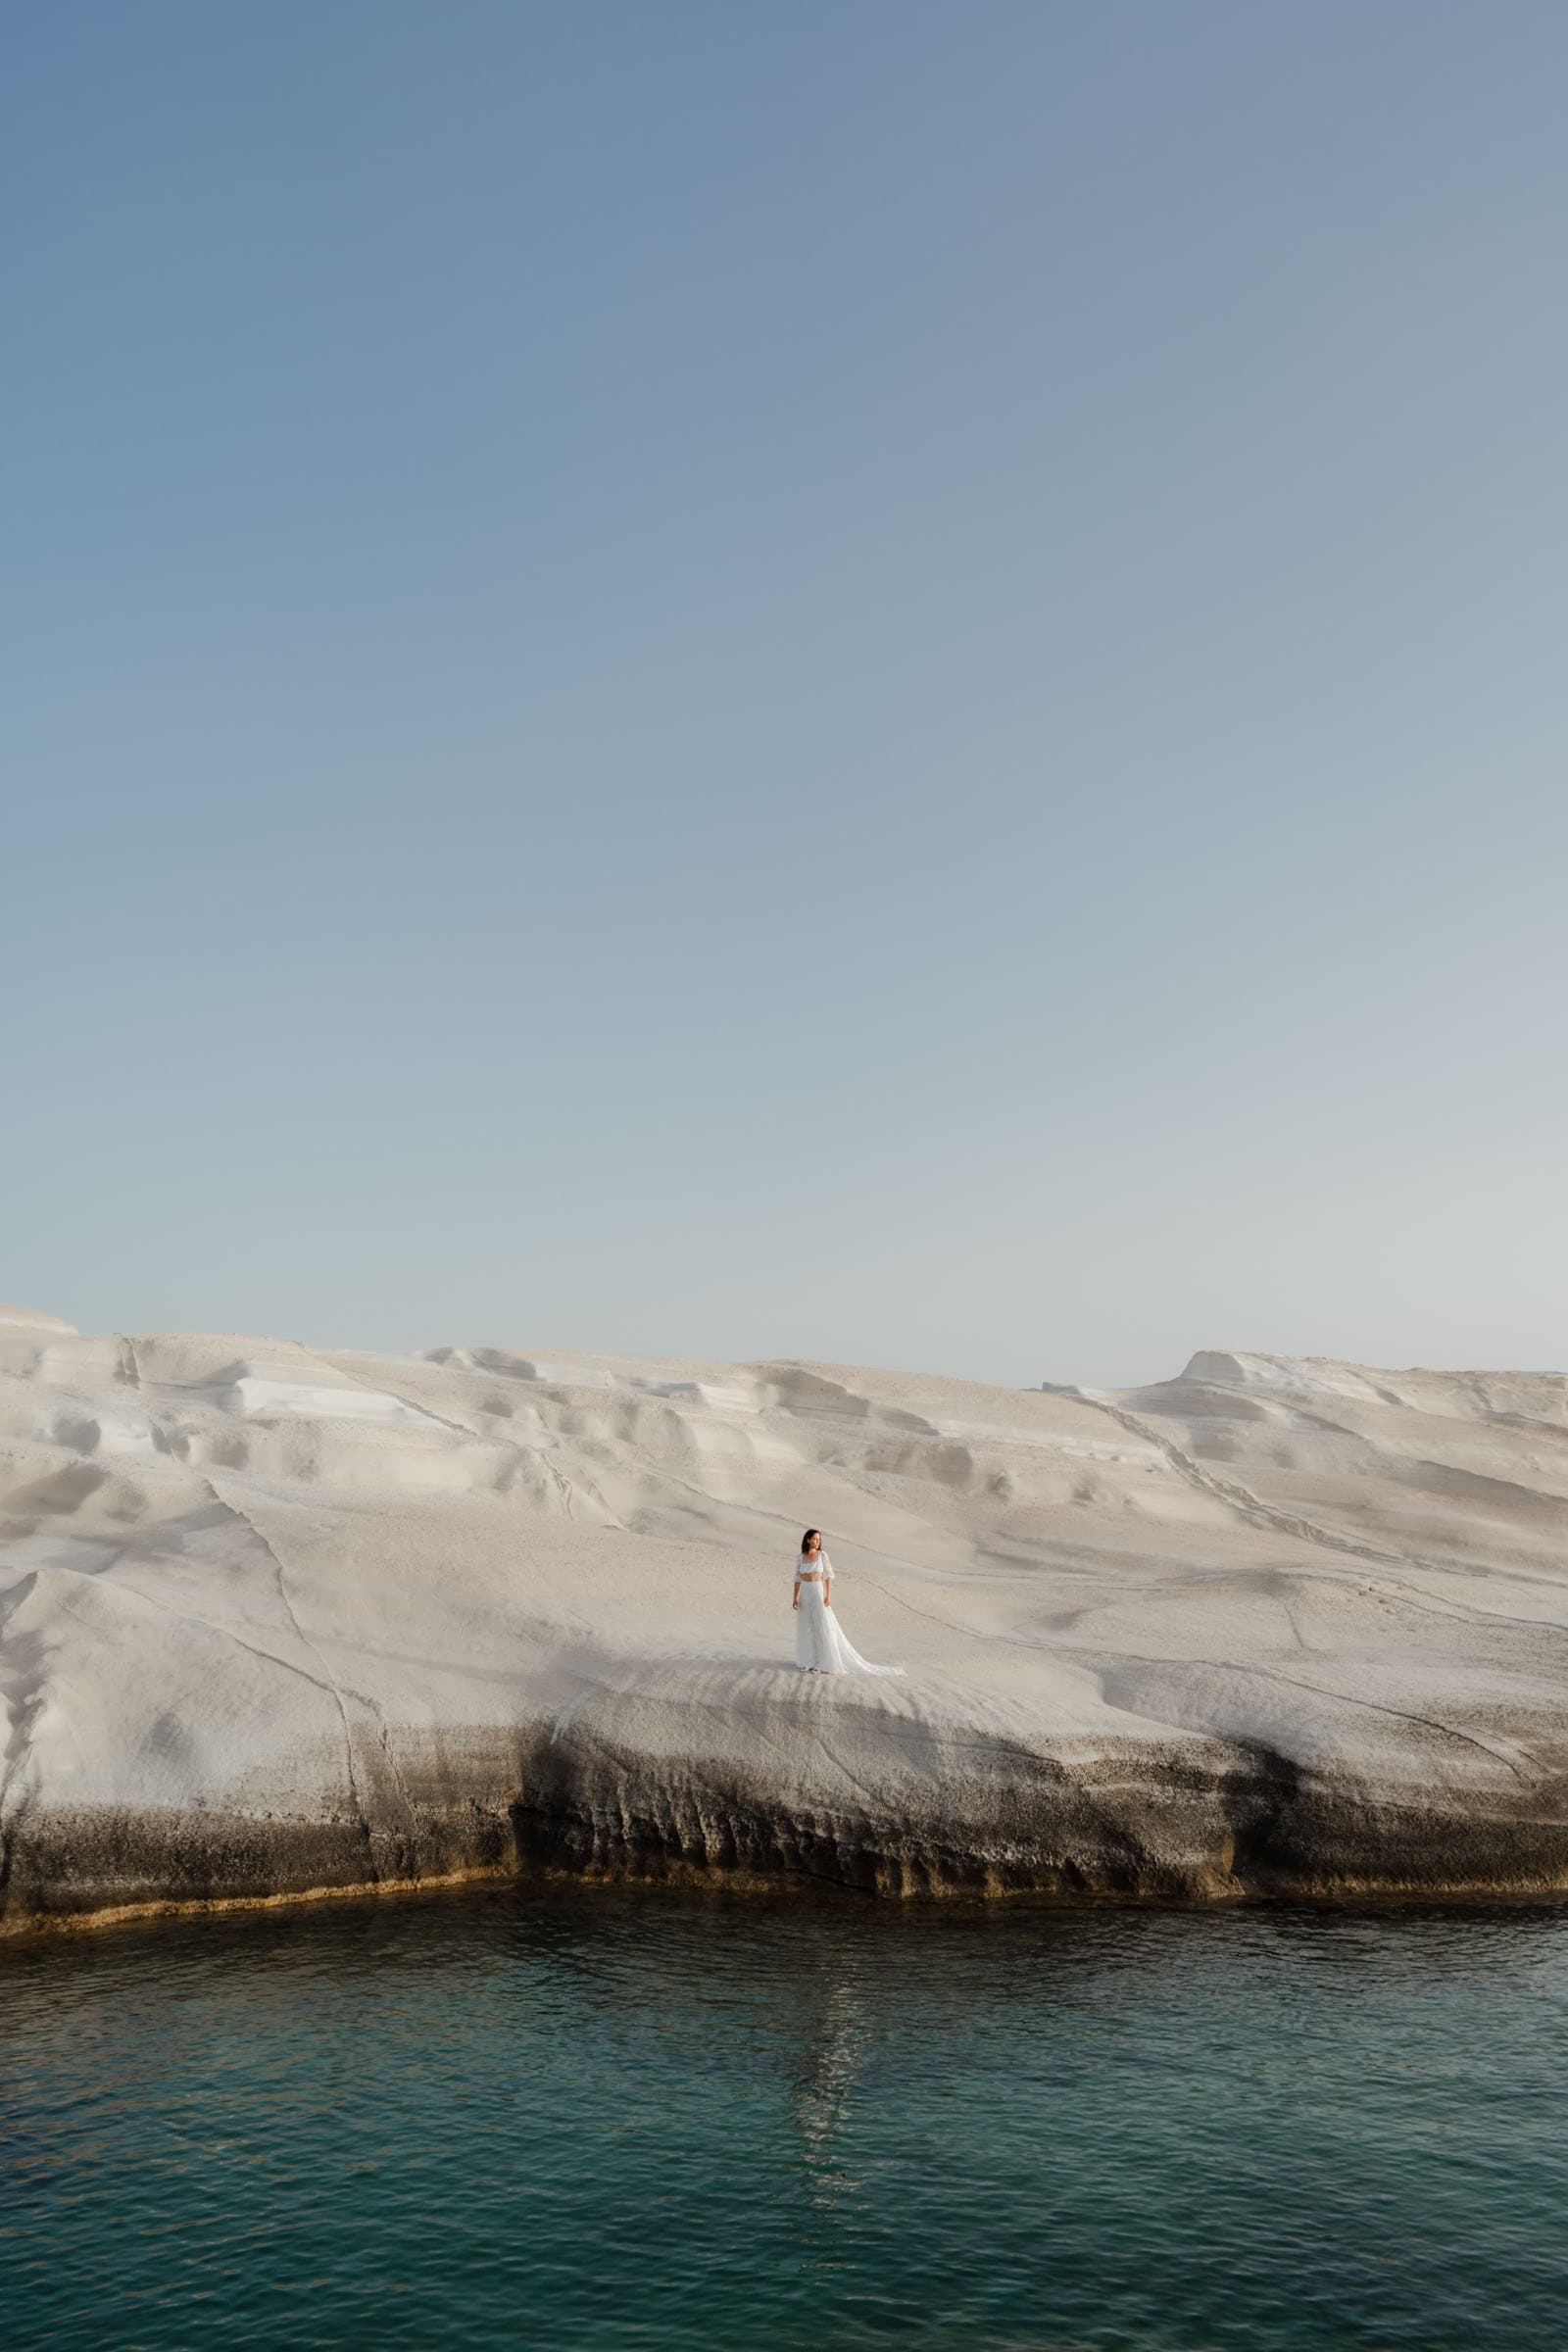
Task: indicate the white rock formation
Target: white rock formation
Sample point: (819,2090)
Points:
(274,1619)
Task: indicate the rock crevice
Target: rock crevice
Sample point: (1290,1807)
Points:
(275,1620)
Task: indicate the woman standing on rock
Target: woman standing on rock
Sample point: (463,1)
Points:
(821,1646)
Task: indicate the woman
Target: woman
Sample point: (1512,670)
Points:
(820,1646)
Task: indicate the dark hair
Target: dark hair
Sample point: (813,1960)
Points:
(807,1538)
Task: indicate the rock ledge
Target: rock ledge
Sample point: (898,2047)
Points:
(277,1621)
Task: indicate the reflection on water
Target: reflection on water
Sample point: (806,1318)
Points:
(833,2030)
(615,2120)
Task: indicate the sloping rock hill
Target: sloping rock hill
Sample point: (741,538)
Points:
(276,1619)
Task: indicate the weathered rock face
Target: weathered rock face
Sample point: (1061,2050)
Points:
(275,1620)
(27,1319)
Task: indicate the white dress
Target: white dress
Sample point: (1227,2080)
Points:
(819,1638)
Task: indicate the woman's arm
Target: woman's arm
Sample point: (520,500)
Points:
(795,1596)
(827,1581)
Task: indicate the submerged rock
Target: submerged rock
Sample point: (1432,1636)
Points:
(275,1620)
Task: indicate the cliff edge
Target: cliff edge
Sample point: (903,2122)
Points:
(275,1620)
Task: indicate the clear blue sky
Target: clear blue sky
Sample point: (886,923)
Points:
(878,682)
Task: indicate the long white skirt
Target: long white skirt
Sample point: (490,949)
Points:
(820,1641)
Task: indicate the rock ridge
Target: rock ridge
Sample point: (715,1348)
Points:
(276,1620)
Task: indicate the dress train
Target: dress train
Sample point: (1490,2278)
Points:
(821,1644)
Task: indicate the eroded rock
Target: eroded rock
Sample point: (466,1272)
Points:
(275,1620)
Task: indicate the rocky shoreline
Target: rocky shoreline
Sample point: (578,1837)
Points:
(1223,1826)
(276,1623)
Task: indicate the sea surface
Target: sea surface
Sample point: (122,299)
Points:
(610,2119)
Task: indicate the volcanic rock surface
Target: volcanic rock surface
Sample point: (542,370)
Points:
(276,1619)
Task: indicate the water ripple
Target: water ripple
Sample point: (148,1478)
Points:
(621,2121)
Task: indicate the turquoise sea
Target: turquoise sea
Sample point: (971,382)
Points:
(605,2118)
